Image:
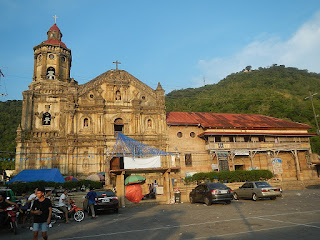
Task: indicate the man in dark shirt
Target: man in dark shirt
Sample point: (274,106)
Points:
(42,211)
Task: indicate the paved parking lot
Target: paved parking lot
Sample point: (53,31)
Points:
(294,216)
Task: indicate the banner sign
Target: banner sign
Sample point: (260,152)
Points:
(276,165)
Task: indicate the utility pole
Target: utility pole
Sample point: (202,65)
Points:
(314,111)
(5,93)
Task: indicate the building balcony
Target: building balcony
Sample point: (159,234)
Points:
(257,145)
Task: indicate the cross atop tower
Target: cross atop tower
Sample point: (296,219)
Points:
(116,62)
(55,18)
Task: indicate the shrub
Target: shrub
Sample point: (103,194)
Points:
(231,176)
(19,187)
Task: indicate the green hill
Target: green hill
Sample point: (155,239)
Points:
(277,91)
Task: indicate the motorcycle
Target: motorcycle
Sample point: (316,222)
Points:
(11,220)
(73,211)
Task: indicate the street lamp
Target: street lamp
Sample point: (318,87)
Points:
(314,111)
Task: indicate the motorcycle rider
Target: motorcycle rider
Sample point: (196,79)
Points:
(4,203)
(63,200)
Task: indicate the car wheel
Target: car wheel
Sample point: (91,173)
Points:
(235,196)
(191,200)
(228,202)
(254,197)
(207,201)
(116,210)
(273,198)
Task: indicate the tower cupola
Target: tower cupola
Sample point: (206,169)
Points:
(52,58)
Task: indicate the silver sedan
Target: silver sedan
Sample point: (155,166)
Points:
(256,190)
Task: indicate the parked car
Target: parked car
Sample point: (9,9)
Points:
(9,194)
(211,192)
(256,190)
(106,200)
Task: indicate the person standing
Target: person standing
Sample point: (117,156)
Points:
(92,195)
(31,200)
(42,210)
(63,204)
(23,208)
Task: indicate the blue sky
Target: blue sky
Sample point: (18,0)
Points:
(176,43)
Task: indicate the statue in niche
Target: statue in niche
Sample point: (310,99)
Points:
(118,95)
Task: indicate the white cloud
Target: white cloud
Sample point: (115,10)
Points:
(302,50)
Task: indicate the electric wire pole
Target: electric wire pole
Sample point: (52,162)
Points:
(314,111)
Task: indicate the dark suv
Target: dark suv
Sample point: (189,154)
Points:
(211,192)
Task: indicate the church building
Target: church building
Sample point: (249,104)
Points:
(73,127)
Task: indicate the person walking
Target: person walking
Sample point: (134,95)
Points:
(42,210)
(63,200)
(92,195)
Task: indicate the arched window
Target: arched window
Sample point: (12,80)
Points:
(118,126)
(118,95)
(51,73)
(46,119)
(86,122)
(149,123)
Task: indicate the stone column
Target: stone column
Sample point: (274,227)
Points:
(121,189)
(58,60)
(44,65)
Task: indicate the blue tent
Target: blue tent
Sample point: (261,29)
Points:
(32,175)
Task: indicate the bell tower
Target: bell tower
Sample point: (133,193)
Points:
(52,58)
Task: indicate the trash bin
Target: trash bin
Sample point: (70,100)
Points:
(177,197)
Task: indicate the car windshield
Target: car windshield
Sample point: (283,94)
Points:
(262,184)
(217,186)
(105,194)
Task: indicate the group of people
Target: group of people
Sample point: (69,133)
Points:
(39,204)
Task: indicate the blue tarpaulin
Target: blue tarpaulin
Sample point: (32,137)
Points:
(32,175)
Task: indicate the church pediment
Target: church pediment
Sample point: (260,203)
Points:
(119,87)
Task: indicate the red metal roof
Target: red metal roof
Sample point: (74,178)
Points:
(55,42)
(256,134)
(231,120)
(54,28)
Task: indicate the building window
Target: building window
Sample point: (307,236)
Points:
(149,123)
(188,159)
(63,59)
(118,95)
(118,126)
(46,119)
(217,139)
(247,138)
(192,134)
(179,134)
(51,73)
(51,56)
(86,122)
(261,138)
(231,139)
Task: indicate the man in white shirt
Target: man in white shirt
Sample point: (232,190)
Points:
(63,204)
(31,199)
